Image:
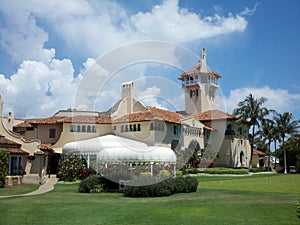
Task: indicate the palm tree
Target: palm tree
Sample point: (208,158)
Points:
(276,137)
(251,110)
(286,126)
(267,134)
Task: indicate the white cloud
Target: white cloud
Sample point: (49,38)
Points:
(44,83)
(249,12)
(278,99)
(182,25)
(37,89)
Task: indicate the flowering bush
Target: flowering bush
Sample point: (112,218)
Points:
(84,173)
(70,168)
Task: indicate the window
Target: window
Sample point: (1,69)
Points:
(83,128)
(78,128)
(122,128)
(134,127)
(94,129)
(52,133)
(72,128)
(175,130)
(88,129)
(15,166)
(139,127)
(126,128)
(151,126)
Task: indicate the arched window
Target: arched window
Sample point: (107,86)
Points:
(94,129)
(78,128)
(122,128)
(88,129)
(126,128)
(139,127)
(72,128)
(130,127)
(134,127)
(83,128)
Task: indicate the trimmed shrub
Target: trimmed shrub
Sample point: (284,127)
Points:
(90,185)
(163,188)
(4,160)
(216,170)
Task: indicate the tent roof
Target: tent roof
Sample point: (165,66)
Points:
(111,148)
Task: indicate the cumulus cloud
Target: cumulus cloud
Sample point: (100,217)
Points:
(44,83)
(37,89)
(280,100)
(182,25)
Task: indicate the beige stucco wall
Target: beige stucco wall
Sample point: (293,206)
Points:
(68,136)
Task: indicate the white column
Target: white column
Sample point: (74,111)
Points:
(151,169)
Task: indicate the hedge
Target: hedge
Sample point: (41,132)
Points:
(97,184)
(216,170)
(162,188)
(4,158)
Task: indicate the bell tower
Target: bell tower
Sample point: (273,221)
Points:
(200,85)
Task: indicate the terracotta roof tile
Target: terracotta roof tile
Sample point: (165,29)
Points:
(153,113)
(88,119)
(44,146)
(214,115)
(49,120)
(16,151)
(257,152)
(38,152)
(5,141)
(23,124)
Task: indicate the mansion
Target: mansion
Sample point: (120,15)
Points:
(36,145)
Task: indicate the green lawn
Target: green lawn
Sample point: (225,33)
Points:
(260,199)
(19,189)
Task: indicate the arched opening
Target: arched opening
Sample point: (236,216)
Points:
(194,152)
(242,159)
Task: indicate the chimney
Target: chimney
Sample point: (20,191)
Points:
(127,95)
(203,61)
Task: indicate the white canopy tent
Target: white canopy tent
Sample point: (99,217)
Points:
(111,149)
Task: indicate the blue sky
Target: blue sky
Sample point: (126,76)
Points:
(46,50)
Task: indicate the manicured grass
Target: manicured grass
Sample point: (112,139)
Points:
(18,189)
(260,199)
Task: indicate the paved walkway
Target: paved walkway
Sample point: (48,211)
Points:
(46,187)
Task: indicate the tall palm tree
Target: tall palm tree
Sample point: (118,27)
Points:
(251,110)
(286,126)
(276,138)
(267,133)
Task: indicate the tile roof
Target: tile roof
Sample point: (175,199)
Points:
(259,153)
(196,70)
(88,119)
(5,141)
(15,150)
(214,115)
(23,124)
(44,146)
(153,113)
(45,121)
(39,152)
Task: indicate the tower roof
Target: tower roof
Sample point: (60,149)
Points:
(197,70)
(200,68)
